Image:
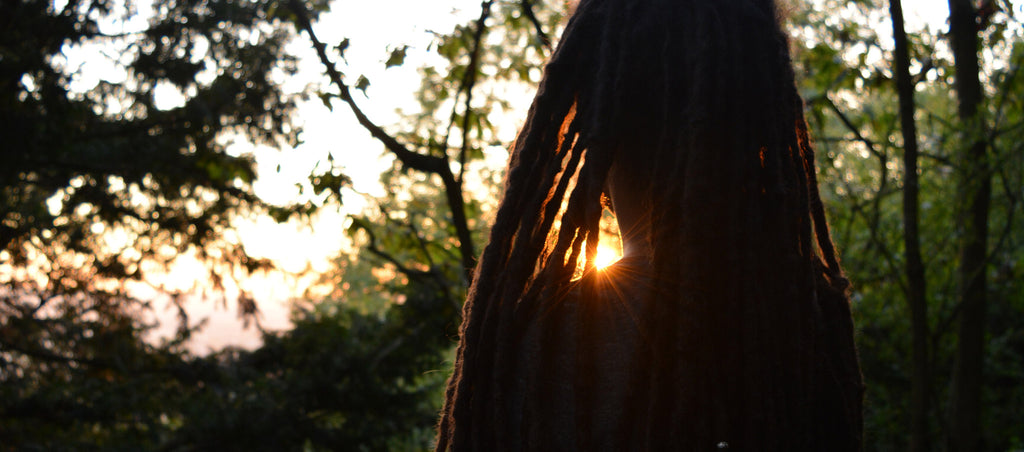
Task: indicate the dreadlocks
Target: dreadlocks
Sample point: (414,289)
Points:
(734,328)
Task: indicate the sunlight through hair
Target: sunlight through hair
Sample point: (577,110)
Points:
(606,255)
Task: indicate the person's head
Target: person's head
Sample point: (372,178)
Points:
(688,109)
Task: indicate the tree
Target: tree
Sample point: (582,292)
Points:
(185,190)
(339,380)
(425,230)
(117,156)
(974,197)
(106,180)
(852,101)
(916,292)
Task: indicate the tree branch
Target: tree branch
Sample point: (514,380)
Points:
(410,159)
(469,80)
(916,294)
(425,163)
(545,40)
(372,247)
(872,148)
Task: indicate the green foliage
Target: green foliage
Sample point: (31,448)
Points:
(83,380)
(359,371)
(853,110)
(362,83)
(409,231)
(339,380)
(108,178)
(397,57)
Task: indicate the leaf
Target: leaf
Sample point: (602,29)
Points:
(329,182)
(362,84)
(326,99)
(342,47)
(397,57)
(279,214)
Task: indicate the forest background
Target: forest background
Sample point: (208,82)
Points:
(111,185)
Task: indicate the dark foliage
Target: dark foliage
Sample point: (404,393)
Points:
(92,158)
(339,380)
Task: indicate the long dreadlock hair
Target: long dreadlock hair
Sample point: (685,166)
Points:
(747,338)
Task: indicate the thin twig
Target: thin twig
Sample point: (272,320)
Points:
(469,81)
(545,40)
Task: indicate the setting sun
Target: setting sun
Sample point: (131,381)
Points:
(606,255)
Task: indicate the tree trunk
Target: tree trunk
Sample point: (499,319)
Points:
(916,288)
(974,197)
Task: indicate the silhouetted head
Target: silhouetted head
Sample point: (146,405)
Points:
(687,112)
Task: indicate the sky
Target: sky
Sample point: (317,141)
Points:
(374,28)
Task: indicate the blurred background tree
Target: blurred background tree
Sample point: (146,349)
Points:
(108,178)
(847,58)
(110,183)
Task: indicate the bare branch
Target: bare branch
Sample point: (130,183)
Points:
(469,80)
(872,147)
(528,12)
(410,159)
(425,163)
(372,247)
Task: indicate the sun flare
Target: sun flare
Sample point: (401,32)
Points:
(606,255)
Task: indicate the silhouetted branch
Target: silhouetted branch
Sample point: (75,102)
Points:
(469,80)
(372,247)
(425,163)
(410,159)
(528,12)
(872,148)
